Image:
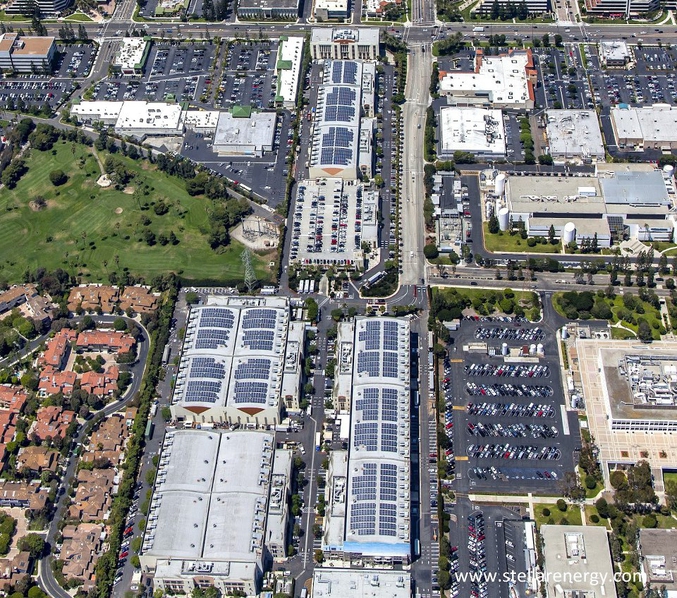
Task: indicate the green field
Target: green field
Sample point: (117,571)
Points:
(91,231)
(504,242)
(572,515)
(78,17)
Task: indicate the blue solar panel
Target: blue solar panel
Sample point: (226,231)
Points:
(216,317)
(211,338)
(206,367)
(250,392)
(202,391)
(259,318)
(366,435)
(259,340)
(253,369)
(389,437)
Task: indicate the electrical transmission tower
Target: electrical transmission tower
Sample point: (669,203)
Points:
(249,276)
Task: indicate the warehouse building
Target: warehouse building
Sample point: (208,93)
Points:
(650,127)
(26,54)
(288,68)
(574,135)
(242,132)
(234,362)
(344,44)
(577,561)
(476,130)
(335,142)
(374,583)
(261,10)
(368,512)
(134,118)
(504,81)
(614,54)
(131,55)
(207,524)
(616,204)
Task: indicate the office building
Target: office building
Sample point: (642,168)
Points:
(26,54)
(48,8)
(650,127)
(574,135)
(261,10)
(363,583)
(475,130)
(288,68)
(614,54)
(344,43)
(242,132)
(131,55)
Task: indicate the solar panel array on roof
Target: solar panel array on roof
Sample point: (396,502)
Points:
(207,367)
(250,392)
(364,511)
(366,435)
(211,338)
(216,317)
(253,369)
(202,391)
(259,340)
(337,146)
(344,72)
(259,318)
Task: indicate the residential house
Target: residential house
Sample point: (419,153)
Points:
(105,340)
(130,416)
(37,459)
(22,494)
(139,300)
(108,441)
(93,496)
(16,296)
(53,381)
(12,397)
(12,570)
(51,421)
(58,349)
(100,384)
(80,551)
(92,297)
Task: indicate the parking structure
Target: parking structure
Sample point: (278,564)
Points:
(505,407)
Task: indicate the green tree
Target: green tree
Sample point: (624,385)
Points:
(32,543)
(58,177)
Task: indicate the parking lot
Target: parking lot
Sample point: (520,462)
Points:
(21,94)
(172,73)
(249,76)
(562,78)
(75,60)
(505,407)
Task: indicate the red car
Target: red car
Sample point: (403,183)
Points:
(124,555)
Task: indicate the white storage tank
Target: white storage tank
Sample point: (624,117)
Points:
(565,333)
(569,233)
(499,185)
(532,349)
(669,169)
(540,349)
(504,349)
(504,219)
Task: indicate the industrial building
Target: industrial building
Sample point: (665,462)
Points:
(331,10)
(534,7)
(26,54)
(48,8)
(650,127)
(658,555)
(629,412)
(240,362)
(577,561)
(620,9)
(618,203)
(338,149)
(131,56)
(260,10)
(332,220)
(208,517)
(476,130)
(574,135)
(615,54)
(288,68)
(242,132)
(344,43)
(504,81)
(367,493)
(374,583)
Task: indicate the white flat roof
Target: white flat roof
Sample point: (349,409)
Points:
(210,495)
(574,133)
(130,53)
(367,583)
(345,35)
(650,124)
(160,116)
(503,78)
(472,130)
(257,130)
(201,119)
(102,110)
(614,51)
(289,53)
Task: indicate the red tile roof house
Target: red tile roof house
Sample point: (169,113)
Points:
(51,421)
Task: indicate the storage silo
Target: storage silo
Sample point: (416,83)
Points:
(669,170)
(504,219)
(499,185)
(569,233)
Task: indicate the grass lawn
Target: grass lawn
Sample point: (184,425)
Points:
(504,241)
(79,17)
(589,512)
(523,297)
(572,515)
(669,476)
(90,231)
(664,521)
(622,335)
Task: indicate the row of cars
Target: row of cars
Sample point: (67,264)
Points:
(497,473)
(508,370)
(509,451)
(479,587)
(127,535)
(512,430)
(508,390)
(509,334)
(510,410)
